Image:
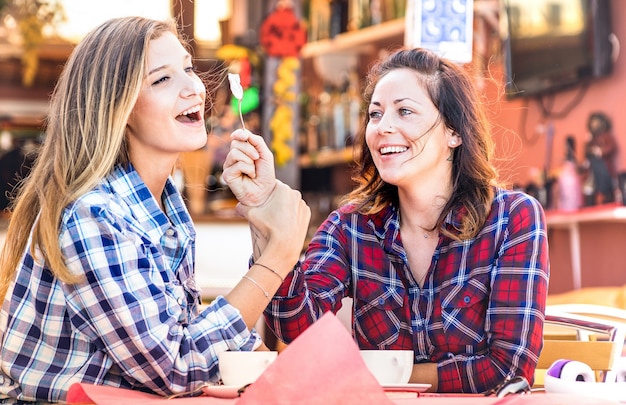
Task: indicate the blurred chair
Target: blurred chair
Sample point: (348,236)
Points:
(605,312)
(610,296)
(594,341)
(597,311)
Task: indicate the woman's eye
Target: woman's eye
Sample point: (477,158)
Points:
(161,80)
(404,111)
(374,114)
(191,69)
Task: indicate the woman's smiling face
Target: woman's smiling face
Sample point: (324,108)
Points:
(405,133)
(168,117)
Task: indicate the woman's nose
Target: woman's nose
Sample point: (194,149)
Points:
(385,126)
(195,87)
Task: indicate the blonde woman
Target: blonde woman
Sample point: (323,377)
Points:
(98,266)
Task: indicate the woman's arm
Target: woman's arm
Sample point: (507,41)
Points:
(316,286)
(278,218)
(281,224)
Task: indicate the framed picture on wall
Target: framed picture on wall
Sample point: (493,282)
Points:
(444,26)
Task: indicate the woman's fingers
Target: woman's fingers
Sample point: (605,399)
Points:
(237,156)
(245,148)
(260,146)
(249,168)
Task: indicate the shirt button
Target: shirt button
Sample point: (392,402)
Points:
(180,301)
(169,232)
(467,299)
(381,301)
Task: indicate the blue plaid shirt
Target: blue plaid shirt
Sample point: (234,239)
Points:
(135,320)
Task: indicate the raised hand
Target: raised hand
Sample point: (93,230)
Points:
(249,168)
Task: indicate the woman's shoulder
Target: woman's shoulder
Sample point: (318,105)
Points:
(121,194)
(98,202)
(517,203)
(511,196)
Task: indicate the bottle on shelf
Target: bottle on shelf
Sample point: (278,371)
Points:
(338,17)
(325,128)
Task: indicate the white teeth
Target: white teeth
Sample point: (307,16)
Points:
(393,149)
(191,110)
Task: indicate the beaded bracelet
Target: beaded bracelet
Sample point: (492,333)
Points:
(253,281)
(272,270)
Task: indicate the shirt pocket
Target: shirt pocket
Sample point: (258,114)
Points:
(463,314)
(379,314)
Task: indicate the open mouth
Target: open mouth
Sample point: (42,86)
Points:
(388,150)
(190,115)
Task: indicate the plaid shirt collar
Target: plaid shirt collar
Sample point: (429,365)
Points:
(386,225)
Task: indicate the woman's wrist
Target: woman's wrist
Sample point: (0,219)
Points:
(281,266)
(271,270)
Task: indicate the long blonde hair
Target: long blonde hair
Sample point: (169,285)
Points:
(85,133)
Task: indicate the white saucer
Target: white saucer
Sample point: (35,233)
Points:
(406,387)
(221,391)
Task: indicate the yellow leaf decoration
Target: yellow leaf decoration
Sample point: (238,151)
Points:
(281,123)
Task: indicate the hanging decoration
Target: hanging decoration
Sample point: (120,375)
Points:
(281,123)
(282,35)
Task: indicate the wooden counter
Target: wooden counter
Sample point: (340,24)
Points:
(587,247)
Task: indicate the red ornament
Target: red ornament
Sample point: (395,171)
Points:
(282,34)
(245,72)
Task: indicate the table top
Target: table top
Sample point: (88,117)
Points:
(91,394)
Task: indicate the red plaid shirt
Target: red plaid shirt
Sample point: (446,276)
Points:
(479,315)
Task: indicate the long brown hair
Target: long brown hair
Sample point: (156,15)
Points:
(473,175)
(84,139)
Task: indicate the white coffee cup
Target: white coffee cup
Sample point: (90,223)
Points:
(239,368)
(389,366)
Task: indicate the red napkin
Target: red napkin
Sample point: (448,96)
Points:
(322,366)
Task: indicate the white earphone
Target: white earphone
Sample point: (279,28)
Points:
(577,378)
(571,370)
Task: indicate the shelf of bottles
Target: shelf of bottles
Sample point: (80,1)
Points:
(342,35)
(330,120)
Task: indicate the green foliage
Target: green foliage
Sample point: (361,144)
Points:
(33,18)
(46,12)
